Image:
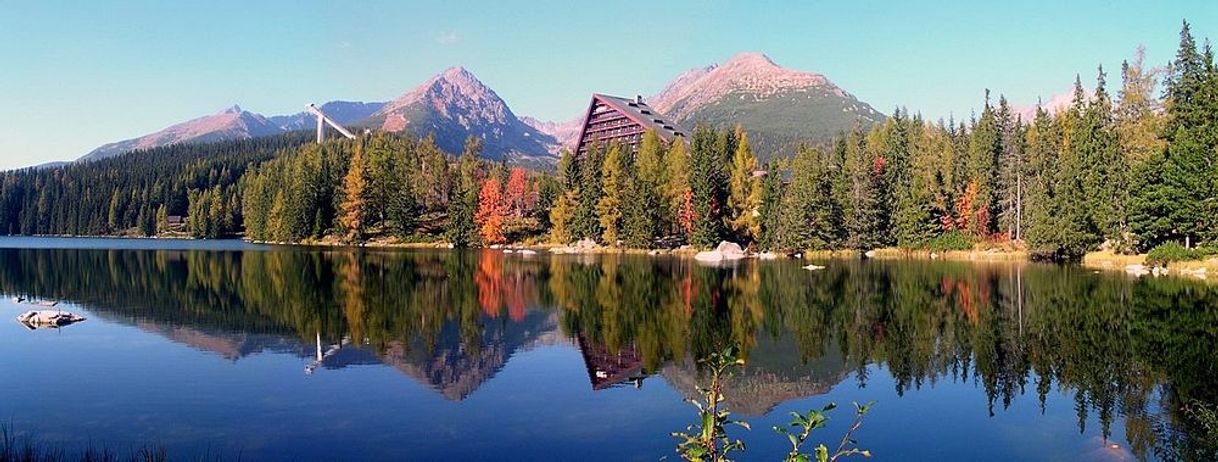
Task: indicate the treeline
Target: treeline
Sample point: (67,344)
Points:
(132,193)
(1125,173)
(393,186)
(1124,170)
(1121,348)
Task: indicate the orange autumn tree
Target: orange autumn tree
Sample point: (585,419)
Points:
(517,193)
(491,212)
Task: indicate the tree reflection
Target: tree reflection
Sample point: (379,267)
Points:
(1134,349)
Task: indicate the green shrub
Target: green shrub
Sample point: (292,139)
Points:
(1169,252)
(951,240)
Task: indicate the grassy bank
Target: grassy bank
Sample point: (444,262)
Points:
(1117,262)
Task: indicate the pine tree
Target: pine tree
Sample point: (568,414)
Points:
(353,218)
(651,186)
(1043,141)
(1010,170)
(561,217)
(985,146)
(770,209)
(708,185)
(1103,167)
(461,230)
(916,220)
(744,191)
(865,217)
(584,221)
(1176,198)
(809,217)
(162,219)
(613,184)
(1073,228)
(677,195)
(1139,121)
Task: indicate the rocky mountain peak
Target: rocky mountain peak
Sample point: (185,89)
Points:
(749,73)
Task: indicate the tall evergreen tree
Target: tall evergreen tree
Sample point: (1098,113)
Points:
(708,185)
(1175,200)
(461,230)
(584,221)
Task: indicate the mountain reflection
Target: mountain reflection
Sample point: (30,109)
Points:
(1134,349)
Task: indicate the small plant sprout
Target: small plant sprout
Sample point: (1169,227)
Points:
(708,440)
(802,425)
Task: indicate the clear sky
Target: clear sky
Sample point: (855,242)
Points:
(76,74)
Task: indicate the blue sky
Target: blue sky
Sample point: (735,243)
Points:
(74,75)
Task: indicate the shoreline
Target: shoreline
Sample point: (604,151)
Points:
(1100,260)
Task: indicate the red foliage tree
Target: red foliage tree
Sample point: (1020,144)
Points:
(517,193)
(688,215)
(491,211)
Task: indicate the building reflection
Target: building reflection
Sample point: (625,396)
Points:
(1132,349)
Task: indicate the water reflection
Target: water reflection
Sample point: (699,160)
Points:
(1141,350)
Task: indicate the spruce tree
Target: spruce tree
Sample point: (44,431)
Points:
(770,208)
(984,148)
(708,184)
(1176,198)
(461,230)
(808,218)
(584,221)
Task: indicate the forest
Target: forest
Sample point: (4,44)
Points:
(1123,168)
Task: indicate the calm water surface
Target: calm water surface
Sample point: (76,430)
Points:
(214,347)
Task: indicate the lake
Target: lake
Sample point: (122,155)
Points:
(278,353)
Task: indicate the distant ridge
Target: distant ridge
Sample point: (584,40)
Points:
(231,123)
(779,107)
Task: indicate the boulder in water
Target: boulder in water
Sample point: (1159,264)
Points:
(48,318)
(725,251)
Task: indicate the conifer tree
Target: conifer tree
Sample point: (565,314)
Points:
(1176,200)
(770,209)
(585,223)
(744,191)
(677,195)
(809,216)
(561,217)
(353,219)
(708,185)
(1138,117)
(1102,167)
(461,230)
(162,218)
(613,184)
(1043,141)
(985,145)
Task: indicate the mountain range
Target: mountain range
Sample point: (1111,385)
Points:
(779,107)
